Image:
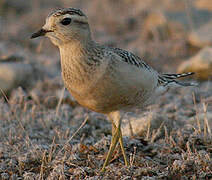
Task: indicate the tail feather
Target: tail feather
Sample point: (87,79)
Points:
(176,76)
(186,83)
(170,80)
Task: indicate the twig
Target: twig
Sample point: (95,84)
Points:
(60,101)
(189,14)
(206,124)
(5,96)
(83,123)
(197,113)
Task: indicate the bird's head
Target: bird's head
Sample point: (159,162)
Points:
(65,26)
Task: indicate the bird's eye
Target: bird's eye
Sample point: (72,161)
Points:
(66,21)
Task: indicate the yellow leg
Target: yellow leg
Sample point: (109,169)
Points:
(122,149)
(121,143)
(113,144)
(116,135)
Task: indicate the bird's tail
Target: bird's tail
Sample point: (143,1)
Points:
(170,80)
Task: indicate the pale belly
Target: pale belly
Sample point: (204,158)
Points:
(111,94)
(115,85)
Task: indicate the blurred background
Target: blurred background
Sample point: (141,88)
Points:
(37,117)
(165,33)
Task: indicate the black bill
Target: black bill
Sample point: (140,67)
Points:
(41,32)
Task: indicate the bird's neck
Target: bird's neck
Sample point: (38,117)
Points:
(76,62)
(76,52)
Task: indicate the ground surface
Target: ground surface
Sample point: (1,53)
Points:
(41,140)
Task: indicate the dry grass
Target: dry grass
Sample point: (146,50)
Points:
(37,143)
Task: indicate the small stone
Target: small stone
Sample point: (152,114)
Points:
(156,26)
(203,4)
(201,64)
(139,124)
(14,74)
(201,37)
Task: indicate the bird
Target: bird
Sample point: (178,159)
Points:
(104,79)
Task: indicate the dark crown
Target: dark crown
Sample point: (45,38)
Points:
(71,11)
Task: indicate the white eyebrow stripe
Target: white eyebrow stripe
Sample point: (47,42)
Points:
(77,18)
